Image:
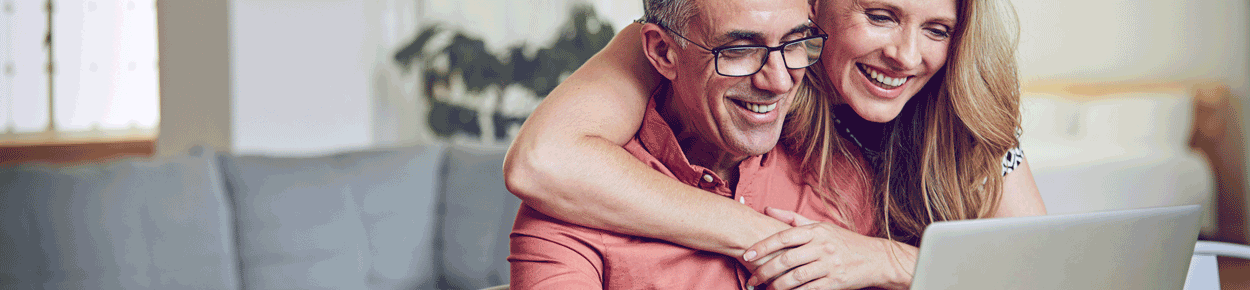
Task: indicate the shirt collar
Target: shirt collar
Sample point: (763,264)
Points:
(657,137)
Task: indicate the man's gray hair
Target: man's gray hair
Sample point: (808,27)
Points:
(674,14)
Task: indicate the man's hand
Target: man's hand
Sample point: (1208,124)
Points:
(826,256)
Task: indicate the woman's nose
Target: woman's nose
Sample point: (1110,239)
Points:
(904,53)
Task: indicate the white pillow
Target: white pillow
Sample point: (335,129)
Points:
(1149,119)
(1047,117)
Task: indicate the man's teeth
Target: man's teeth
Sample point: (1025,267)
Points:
(881,78)
(760,108)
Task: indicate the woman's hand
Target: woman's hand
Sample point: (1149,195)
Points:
(827,256)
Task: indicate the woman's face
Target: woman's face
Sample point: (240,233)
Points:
(880,53)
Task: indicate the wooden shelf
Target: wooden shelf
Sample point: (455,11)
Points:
(74,151)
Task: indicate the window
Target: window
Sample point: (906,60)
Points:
(102,81)
(100,87)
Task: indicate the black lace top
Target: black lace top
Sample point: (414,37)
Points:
(873,135)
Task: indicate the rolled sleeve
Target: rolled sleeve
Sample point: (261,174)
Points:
(550,254)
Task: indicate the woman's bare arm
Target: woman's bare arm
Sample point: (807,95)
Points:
(568,162)
(1020,195)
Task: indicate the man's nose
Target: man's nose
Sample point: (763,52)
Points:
(904,53)
(773,76)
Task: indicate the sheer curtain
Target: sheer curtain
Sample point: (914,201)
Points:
(104,83)
(25,88)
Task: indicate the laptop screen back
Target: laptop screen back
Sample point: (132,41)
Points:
(1128,249)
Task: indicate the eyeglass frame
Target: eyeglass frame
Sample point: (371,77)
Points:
(716,51)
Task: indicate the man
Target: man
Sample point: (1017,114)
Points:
(732,67)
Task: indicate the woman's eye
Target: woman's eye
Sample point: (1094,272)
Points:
(878,18)
(939,33)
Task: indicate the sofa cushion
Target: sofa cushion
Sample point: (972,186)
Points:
(133,224)
(478,213)
(398,197)
(357,220)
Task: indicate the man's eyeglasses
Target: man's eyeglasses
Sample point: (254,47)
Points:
(745,60)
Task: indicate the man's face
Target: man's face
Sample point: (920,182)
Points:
(741,115)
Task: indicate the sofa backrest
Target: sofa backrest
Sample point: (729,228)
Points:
(419,217)
(357,220)
(477,214)
(133,224)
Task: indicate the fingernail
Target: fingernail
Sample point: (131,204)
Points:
(751,281)
(748,256)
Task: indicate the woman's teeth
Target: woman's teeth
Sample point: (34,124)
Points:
(759,108)
(884,81)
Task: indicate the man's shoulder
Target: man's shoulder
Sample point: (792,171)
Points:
(636,147)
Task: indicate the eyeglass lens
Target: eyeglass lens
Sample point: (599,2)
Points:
(744,61)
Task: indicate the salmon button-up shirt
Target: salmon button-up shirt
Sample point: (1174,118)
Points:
(547,253)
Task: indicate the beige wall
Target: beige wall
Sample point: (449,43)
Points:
(193,44)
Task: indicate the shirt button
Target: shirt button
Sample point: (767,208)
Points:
(707,177)
(749,287)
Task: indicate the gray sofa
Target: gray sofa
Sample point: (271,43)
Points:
(421,217)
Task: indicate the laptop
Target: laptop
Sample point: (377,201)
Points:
(1126,249)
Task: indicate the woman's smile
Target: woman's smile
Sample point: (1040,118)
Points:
(881,79)
(885,51)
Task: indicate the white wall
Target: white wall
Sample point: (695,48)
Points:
(268,77)
(300,75)
(509,22)
(309,77)
(304,73)
(400,114)
(1116,40)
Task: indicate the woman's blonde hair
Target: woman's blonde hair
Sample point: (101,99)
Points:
(942,159)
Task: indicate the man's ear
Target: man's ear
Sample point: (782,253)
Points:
(659,47)
(812,4)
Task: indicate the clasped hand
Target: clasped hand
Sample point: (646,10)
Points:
(821,255)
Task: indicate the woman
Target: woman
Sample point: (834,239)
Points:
(926,89)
